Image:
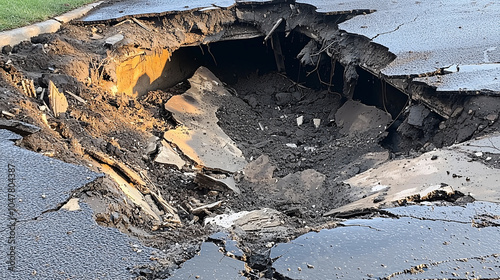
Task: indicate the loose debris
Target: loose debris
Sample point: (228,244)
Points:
(167,155)
(199,137)
(57,101)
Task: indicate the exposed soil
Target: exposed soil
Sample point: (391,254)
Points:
(260,116)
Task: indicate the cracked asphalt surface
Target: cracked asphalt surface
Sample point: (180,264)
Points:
(441,239)
(40,240)
(426,35)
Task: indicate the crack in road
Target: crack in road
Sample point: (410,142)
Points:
(396,29)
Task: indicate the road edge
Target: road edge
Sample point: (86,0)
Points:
(15,36)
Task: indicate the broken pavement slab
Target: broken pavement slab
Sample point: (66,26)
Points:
(66,244)
(486,144)
(16,36)
(18,127)
(262,219)
(199,136)
(9,135)
(139,8)
(419,247)
(442,172)
(55,181)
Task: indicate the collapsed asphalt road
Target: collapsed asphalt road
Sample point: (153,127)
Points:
(257,140)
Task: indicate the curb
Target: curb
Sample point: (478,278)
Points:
(16,36)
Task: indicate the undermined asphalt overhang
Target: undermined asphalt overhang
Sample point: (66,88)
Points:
(383,39)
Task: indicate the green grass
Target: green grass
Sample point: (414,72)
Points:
(17,13)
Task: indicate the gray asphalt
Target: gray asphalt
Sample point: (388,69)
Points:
(46,242)
(425,35)
(127,8)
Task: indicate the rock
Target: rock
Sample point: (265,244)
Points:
(72,205)
(152,146)
(7,49)
(295,187)
(492,117)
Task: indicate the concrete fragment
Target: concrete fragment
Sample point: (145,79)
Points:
(218,184)
(167,155)
(113,40)
(225,220)
(294,187)
(16,36)
(259,219)
(356,118)
(151,145)
(57,101)
(259,170)
(199,137)
(429,242)
(210,263)
(19,127)
(72,205)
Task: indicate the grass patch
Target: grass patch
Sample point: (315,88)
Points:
(17,13)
